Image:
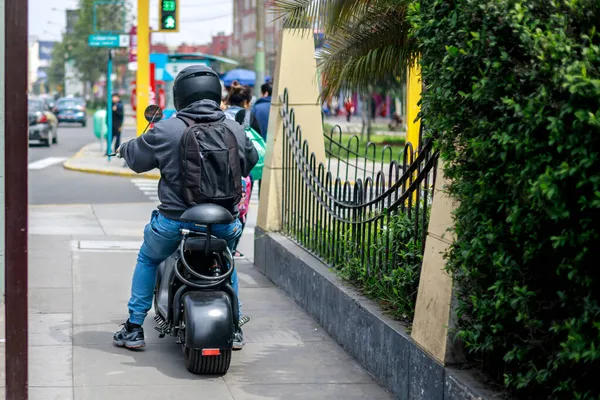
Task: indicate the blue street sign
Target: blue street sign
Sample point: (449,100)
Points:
(108,40)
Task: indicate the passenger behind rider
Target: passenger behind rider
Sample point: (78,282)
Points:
(238,104)
(197,95)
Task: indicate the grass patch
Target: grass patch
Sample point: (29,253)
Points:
(358,148)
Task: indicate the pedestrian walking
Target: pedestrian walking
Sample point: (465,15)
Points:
(349,106)
(118,115)
(262,109)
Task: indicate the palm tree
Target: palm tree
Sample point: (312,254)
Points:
(367,41)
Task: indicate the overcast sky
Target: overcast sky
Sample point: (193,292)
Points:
(199,19)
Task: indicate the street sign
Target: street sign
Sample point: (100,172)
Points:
(108,40)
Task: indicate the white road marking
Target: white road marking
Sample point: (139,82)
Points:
(147,186)
(46,162)
(150,189)
(109,245)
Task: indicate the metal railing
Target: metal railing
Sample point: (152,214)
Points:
(361,207)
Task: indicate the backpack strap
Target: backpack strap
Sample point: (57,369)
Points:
(187,121)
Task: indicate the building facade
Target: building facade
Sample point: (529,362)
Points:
(220,45)
(40,55)
(243,39)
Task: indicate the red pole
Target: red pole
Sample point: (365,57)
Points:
(15,188)
(153,83)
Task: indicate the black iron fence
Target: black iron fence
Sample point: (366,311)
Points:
(364,209)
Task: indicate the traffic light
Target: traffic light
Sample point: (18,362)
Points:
(168,13)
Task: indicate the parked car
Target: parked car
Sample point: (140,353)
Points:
(71,109)
(43,125)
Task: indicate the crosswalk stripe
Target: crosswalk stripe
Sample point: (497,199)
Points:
(150,189)
(46,162)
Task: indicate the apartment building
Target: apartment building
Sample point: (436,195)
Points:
(243,39)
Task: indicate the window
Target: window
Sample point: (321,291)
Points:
(245,24)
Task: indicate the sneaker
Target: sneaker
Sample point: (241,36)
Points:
(130,336)
(237,255)
(238,339)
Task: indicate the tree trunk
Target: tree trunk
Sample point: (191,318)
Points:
(369,119)
(364,111)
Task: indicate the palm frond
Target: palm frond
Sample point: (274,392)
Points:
(371,47)
(325,15)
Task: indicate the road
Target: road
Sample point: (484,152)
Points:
(50,183)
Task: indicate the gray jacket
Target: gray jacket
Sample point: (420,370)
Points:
(160,148)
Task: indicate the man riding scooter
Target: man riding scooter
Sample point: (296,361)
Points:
(197,96)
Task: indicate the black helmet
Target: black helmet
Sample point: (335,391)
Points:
(194,83)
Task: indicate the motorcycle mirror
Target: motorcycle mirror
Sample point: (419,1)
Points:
(153,113)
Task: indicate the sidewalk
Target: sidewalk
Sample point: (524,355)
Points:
(92,159)
(81,262)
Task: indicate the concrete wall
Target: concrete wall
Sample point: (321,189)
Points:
(2,47)
(380,344)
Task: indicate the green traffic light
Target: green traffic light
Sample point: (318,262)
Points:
(168,5)
(169,22)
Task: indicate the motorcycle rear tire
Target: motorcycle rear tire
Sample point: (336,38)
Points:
(196,363)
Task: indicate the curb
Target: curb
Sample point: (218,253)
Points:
(100,171)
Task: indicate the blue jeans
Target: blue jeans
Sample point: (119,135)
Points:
(161,238)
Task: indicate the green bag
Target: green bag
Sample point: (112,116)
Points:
(259,145)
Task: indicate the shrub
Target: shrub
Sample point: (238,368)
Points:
(387,270)
(513,92)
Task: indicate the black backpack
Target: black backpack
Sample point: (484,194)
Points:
(210,164)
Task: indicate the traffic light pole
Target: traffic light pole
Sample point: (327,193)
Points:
(143,63)
(109,104)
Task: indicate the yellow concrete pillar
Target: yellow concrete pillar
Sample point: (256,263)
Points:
(142,80)
(296,70)
(414,88)
(434,315)
(413,96)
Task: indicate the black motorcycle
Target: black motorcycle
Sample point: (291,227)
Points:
(193,298)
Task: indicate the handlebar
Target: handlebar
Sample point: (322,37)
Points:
(146,129)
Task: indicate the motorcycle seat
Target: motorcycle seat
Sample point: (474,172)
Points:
(199,244)
(207,214)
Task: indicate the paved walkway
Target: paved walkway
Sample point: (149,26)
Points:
(81,262)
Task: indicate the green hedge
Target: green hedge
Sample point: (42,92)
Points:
(513,92)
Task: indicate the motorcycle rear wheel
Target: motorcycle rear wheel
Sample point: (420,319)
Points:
(196,363)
